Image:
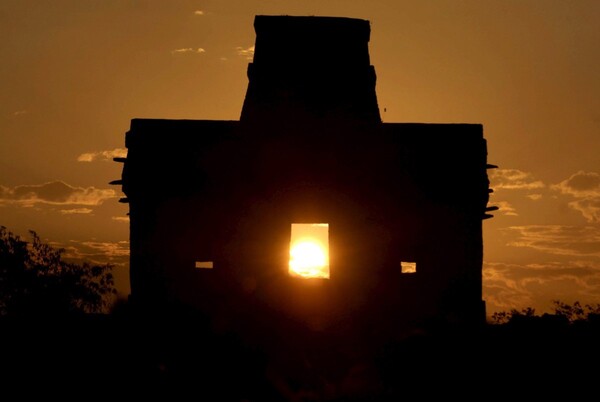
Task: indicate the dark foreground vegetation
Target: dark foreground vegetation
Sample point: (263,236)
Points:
(177,354)
(69,351)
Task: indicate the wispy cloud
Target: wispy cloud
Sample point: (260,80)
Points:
(54,193)
(98,252)
(247,52)
(581,185)
(513,179)
(20,112)
(505,208)
(102,155)
(558,239)
(188,50)
(589,208)
(585,187)
(534,197)
(75,211)
(198,12)
(501,290)
(507,286)
(120,218)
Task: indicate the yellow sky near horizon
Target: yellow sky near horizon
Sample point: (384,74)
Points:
(75,73)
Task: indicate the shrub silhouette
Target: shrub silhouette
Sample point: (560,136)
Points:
(34,280)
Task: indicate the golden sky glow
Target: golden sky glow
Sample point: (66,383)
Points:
(74,73)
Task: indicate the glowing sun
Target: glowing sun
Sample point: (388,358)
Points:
(308,259)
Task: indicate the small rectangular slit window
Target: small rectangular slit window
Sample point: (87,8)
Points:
(408,267)
(204,264)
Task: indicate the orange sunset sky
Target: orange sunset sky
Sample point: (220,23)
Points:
(75,72)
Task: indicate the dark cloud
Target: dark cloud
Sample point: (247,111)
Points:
(54,193)
(558,239)
(581,184)
(585,187)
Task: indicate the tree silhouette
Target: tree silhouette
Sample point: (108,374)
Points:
(503,317)
(35,280)
(571,313)
(576,312)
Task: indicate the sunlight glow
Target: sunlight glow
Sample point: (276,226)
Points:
(309,251)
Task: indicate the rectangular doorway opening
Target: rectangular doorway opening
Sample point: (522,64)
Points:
(309,250)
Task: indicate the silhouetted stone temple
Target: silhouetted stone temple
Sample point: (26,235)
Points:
(212,202)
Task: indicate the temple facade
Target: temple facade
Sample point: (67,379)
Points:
(213,203)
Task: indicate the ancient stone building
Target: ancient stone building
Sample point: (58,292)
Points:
(212,203)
